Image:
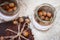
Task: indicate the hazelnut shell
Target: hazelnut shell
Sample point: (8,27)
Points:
(15,22)
(11,5)
(47,18)
(26,33)
(49,14)
(14,8)
(21,19)
(44,13)
(40,13)
(27,20)
(10,10)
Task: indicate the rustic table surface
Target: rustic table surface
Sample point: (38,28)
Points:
(27,8)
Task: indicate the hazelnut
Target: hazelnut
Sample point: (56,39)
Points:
(27,20)
(21,19)
(11,5)
(9,10)
(46,18)
(40,13)
(44,13)
(26,33)
(14,8)
(42,17)
(15,22)
(49,14)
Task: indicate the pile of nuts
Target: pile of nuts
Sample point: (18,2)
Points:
(9,7)
(45,15)
(21,20)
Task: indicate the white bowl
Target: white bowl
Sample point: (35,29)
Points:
(38,26)
(15,15)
